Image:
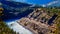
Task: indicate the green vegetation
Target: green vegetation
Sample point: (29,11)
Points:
(57,31)
(54,10)
(4,29)
(57,21)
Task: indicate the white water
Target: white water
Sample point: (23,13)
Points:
(18,28)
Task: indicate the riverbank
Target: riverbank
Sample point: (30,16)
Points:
(18,28)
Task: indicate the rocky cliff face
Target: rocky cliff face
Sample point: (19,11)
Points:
(42,15)
(39,21)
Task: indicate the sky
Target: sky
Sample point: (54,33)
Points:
(39,2)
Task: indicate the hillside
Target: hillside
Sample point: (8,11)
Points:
(37,19)
(14,10)
(42,20)
(4,29)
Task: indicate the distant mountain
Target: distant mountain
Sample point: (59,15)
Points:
(15,4)
(15,10)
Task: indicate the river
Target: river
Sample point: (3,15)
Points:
(18,28)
